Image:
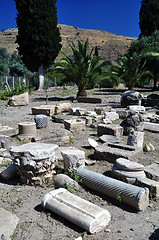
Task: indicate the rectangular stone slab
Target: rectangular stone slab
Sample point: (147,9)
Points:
(110,154)
(89,100)
(47,110)
(152,127)
(110,129)
(77,210)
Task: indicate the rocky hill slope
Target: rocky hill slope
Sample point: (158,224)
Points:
(110,45)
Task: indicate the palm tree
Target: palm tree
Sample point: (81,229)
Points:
(81,67)
(131,69)
(151,57)
(111,78)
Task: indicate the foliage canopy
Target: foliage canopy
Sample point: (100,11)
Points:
(38,34)
(81,67)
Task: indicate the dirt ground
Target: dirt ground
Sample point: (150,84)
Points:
(25,201)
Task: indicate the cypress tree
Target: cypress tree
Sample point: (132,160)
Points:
(38,35)
(149,17)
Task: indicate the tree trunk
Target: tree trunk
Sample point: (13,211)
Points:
(41,78)
(155,83)
(81,93)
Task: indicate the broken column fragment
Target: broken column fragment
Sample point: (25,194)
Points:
(132,195)
(127,171)
(27,129)
(9,172)
(77,210)
(35,162)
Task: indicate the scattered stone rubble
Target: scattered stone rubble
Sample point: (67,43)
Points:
(35,162)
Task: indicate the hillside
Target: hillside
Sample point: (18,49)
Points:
(110,45)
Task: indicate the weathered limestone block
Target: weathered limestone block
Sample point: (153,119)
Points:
(136,139)
(35,162)
(110,129)
(19,100)
(61,118)
(47,110)
(73,159)
(137,108)
(152,185)
(63,107)
(110,152)
(122,113)
(151,127)
(77,210)
(112,116)
(135,196)
(152,171)
(74,125)
(8,223)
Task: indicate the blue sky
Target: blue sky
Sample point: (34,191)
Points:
(116,16)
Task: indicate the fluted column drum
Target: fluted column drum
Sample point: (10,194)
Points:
(135,196)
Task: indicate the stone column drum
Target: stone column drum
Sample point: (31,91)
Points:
(27,129)
(135,196)
(35,162)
